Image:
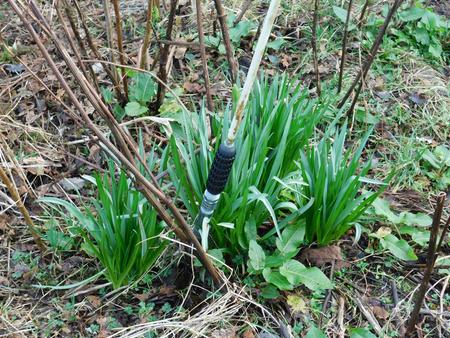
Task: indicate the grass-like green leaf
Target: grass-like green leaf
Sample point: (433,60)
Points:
(123,232)
(333,178)
(279,120)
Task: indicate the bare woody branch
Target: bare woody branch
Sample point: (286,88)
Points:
(314,45)
(151,191)
(201,41)
(163,56)
(344,46)
(120,46)
(370,58)
(226,39)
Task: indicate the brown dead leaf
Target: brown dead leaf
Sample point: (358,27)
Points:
(323,69)
(380,312)
(248,334)
(36,165)
(4,281)
(179,52)
(142,296)
(94,301)
(286,60)
(166,290)
(4,222)
(324,255)
(224,333)
(193,87)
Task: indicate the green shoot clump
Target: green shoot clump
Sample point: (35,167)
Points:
(279,120)
(332,179)
(122,232)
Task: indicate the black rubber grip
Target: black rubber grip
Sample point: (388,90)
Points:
(221,168)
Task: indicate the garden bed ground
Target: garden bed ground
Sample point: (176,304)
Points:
(406,99)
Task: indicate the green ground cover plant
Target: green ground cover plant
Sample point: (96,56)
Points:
(122,231)
(332,178)
(279,121)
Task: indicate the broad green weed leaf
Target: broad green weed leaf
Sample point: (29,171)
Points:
(419,219)
(291,238)
(135,109)
(418,235)
(243,28)
(361,333)
(315,332)
(256,255)
(276,44)
(270,292)
(143,88)
(412,14)
(313,278)
(382,208)
(107,94)
(435,47)
(275,261)
(398,247)
(276,279)
(341,13)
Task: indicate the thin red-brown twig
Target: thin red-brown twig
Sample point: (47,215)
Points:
(147,36)
(16,197)
(110,40)
(226,39)
(244,8)
(314,45)
(120,46)
(153,193)
(201,41)
(370,58)
(90,42)
(163,56)
(363,13)
(344,46)
(431,260)
(74,48)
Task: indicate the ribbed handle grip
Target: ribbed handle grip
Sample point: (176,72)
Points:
(221,168)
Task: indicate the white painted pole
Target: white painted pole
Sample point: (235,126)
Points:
(253,70)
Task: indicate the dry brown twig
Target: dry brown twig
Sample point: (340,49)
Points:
(163,56)
(314,45)
(201,41)
(120,46)
(344,46)
(147,36)
(433,248)
(111,73)
(124,152)
(244,8)
(360,77)
(23,210)
(363,13)
(226,39)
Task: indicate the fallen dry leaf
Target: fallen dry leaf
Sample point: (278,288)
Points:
(4,222)
(94,300)
(179,52)
(224,333)
(380,312)
(248,334)
(193,87)
(324,255)
(4,281)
